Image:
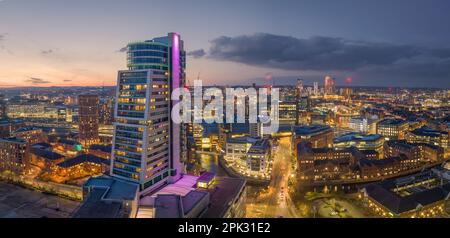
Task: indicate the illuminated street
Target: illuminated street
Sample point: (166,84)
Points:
(275,201)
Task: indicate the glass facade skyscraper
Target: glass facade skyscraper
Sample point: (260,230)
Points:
(147,145)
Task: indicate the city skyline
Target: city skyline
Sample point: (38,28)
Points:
(326,151)
(54,43)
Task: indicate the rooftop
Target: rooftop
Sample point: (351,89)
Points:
(357,137)
(104,148)
(221,193)
(28,128)
(69,142)
(387,193)
(95,207)
(83,159)
(12,140)
(392,121)
(426,131)
(118,189)
(176,206)
(47,154)
(309,130)
(243,140)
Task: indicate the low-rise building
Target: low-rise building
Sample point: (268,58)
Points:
(423,195)
(81,166)
(102,151)
(429,136)
(105,197)
(206,196)
(259,158)
(69,146)
(249,156)
(362,142)
(32,135)
(8,126)
(363,125)
(45,158)
(393,129)
(322,164)
(421,152)
(14,155)
(318,135)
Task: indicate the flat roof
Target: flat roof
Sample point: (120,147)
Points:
(118,189)
(426,131)
(354,136)
(206,177)
(307,130)
(392,121)
(222,193)
(168,206)
(95,207)
(243,140)
(27,128)
(383,193)
(104,148)
(182,187)
(50,155)
(69,142)
(13,139)
(82,159)
(176,206)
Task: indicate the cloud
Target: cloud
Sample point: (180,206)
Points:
(122,50)
(197,53)
(335,55)
(315,53)
(67,80)
(47,52)
(33,80)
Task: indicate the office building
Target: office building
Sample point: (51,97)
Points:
(394,129)
(363,125)
(148,148)
(14,155)
(423,195)
(32,135)
(329,85)
(7,126)
(88,119)
(429,136)
(362,142)
(318,135)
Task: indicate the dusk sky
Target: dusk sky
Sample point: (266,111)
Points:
(377,43)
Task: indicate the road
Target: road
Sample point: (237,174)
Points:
(275,201)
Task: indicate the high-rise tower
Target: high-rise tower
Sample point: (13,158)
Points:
(329,85)
(147,145)
(89,119)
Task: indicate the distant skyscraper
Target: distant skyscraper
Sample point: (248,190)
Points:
(106,110)
(299,87)
(329,85)
(2,107)
(88,119)
(147,145)
(316,88)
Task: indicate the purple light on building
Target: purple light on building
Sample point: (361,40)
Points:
(175,128)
